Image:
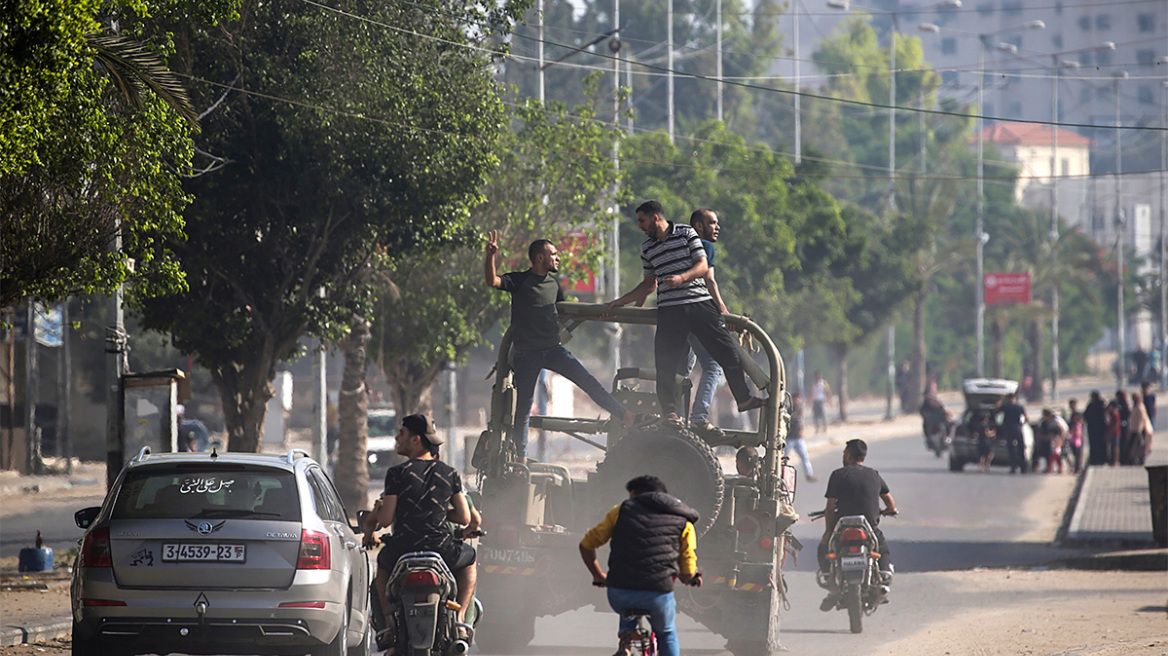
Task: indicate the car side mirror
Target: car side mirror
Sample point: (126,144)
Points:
(362,515)
(84,517)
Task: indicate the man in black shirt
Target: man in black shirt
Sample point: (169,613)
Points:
(420,496)
(856,490)
(1013,417)
(535,334)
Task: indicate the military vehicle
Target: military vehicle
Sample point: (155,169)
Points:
(536,513)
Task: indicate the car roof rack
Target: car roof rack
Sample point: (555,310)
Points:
(290,457)
(143,453)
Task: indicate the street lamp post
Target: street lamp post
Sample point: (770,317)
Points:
(979,233)
(1054,209)
(1120,220)
(895,29)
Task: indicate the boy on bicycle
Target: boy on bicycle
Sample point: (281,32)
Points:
(653,541)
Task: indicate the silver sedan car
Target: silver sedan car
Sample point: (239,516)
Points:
(221,554)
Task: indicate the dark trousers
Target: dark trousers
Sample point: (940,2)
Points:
(527,365)
(1097,447)
(675,323)
(1016,449)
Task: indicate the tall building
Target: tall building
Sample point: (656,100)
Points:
(1022,64)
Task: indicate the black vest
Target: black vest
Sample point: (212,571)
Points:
(646,542)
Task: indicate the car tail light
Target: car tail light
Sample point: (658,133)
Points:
(95,551)
(314,551)
(853,534)
(102,602)
(421,577)
(302,604)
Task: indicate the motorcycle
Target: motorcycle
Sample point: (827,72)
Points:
(422,595)
(938,436)
(854,575)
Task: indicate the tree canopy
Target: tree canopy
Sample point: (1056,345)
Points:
(94,139)
(344,140)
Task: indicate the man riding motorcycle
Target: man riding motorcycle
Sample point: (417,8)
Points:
(934,417)
(856,490)
(420,496)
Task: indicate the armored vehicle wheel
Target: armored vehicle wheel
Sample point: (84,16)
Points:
(682,460)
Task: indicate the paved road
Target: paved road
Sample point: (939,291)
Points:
(949,522)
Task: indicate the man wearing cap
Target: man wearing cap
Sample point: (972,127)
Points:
(420,496)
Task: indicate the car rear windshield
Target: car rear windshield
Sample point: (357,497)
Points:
(208,492)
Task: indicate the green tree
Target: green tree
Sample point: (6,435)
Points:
(348,140)
(781,234)
(95,132)
(554,180)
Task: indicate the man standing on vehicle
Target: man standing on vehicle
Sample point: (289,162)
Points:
(855,489)
(420,496)
(535,334)
(674,264)
(653,541)
(1013,418)
(705,223)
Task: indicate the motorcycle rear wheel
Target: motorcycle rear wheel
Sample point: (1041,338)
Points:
(855,607)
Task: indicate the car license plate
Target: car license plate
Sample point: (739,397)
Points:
(854,562)
(182,552)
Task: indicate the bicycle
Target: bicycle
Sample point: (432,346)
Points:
(641,641)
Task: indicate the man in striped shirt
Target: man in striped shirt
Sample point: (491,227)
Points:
(674,263)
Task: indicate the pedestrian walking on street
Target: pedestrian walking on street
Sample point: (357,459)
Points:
(820,397)
(1114,432)
(1013,418)
(705,223)
(795,440)
(535,331)
(674,266)
(1075,441)
(1140,430)
(985,433)
(1095,419)
(1149,400)
(1124,426)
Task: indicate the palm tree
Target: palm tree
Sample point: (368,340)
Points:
(134,67)
(932,202)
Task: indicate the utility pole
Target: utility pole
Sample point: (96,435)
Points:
(718,54)
(32,394)
(1121,232)
(669,72)
(115,347)
(798,85)
(614,237)
(64,382)
(539,54)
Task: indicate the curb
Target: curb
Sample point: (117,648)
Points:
(11,636)
(1145,560)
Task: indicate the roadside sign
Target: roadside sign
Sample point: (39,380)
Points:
(1007,288)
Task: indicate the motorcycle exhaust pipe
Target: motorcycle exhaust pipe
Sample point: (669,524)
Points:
(459,648)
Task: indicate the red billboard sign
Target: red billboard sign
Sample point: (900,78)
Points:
(1007,288)
(573,243)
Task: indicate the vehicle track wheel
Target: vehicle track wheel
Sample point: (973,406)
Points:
(681,459)
(855,608)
